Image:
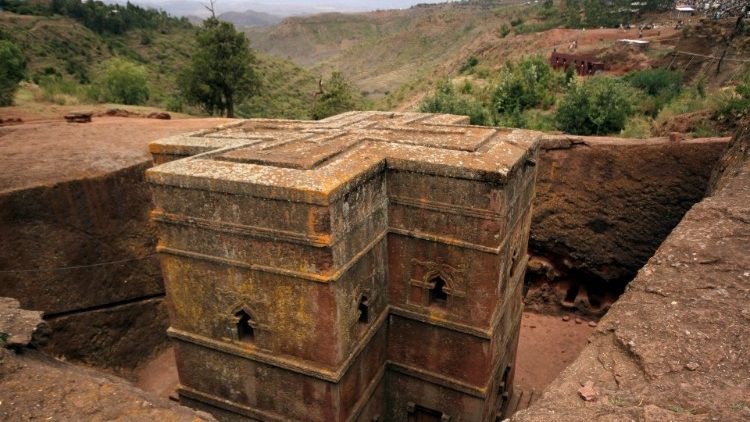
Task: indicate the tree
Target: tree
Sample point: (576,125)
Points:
(523,85)
(571,13)
(447,100)
(335,96)
(221,73)
(12,71)
(661,86)
(597,106)
(124,82)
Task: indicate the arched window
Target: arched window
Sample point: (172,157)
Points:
(245,327)
(364,309)
(438,296)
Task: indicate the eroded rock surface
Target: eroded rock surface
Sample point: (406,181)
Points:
(603,206)
(77,243)
(19,327)
(36,387)
(676,345)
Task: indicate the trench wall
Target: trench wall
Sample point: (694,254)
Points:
(83,252)
(674,347)
(602,208)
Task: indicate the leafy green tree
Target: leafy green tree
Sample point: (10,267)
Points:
(571,12)
(661,86)
(12,71)
(447,100)
(597,106)
(336,96)
(124,82)
(548,4)
(222,72)
(606,13)
(524,85)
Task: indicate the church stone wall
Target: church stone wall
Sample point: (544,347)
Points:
(364,267)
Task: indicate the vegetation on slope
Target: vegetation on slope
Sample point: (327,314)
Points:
(381,51)
(66,58)
(529,94)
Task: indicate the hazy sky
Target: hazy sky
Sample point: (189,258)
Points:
(279,7)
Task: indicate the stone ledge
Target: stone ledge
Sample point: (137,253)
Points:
(19,327)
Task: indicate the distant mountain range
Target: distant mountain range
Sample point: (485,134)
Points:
(246,19)
(250,18)
(282,8)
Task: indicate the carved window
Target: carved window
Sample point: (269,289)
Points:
(438,296)
(364,309)
(245,326)
(417,413)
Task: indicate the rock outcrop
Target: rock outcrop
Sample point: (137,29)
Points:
(603,206)
(675,346)
(77,244)
(37,387)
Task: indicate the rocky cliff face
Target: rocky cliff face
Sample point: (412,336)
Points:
(37,387)
(732,163)
(603,206)
(83,252)
(674,346)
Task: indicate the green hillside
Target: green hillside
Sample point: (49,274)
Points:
(381,51)
(65,57)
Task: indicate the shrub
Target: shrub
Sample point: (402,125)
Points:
(124,82)
(637,127)
(447,100)
(662,85)
(737,105)
(12,71)
(58,90)
(689,101)
(598,106)
(524,85)
(504,31)
(471,62)
(336,96)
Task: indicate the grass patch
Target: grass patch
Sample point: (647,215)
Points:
(637,127)
(739,406)
(684,410)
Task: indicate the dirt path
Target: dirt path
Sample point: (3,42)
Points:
(548,344)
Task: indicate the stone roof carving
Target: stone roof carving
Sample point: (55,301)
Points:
(315,162)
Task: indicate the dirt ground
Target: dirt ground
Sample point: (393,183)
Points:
(52,151)
(37,387)
(547,345)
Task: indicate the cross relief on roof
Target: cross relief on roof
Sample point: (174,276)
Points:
(322,156)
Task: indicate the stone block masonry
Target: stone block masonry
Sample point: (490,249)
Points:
(365,267)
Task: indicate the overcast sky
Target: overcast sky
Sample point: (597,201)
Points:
(278,7)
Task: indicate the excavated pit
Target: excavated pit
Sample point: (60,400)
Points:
(603,207)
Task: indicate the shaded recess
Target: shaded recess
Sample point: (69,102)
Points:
(602,208)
